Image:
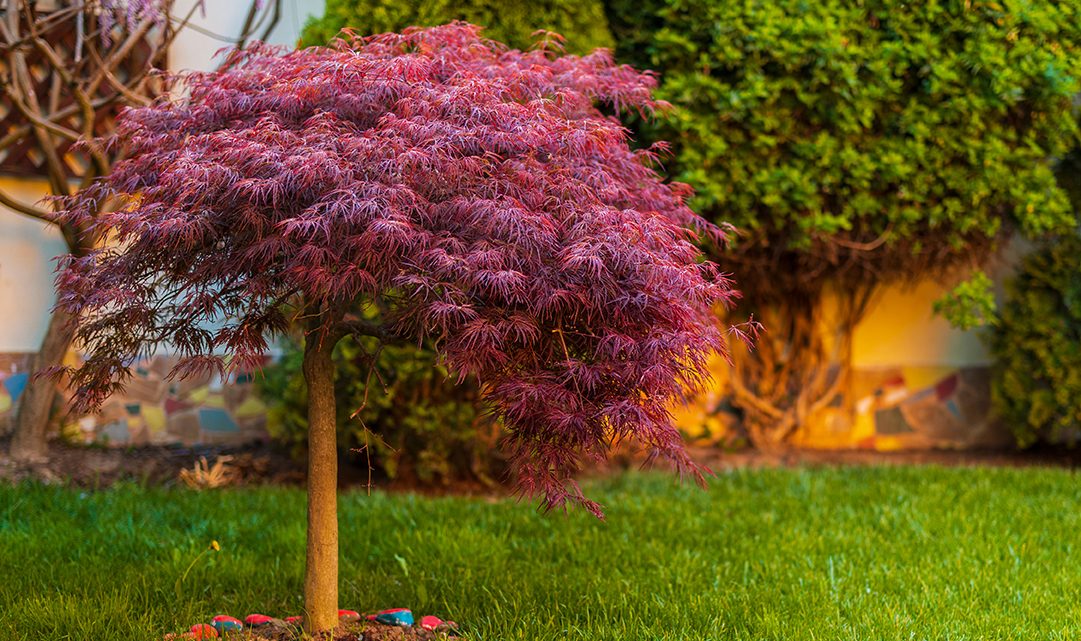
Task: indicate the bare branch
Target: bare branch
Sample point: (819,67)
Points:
(363,327)
(27,210)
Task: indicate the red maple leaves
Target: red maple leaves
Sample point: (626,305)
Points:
(469,193)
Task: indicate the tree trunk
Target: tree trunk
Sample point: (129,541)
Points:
(28,443)
(321,574)
(794,372)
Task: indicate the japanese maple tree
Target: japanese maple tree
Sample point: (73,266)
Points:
(471,194)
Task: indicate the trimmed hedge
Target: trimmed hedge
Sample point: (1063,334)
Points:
(581,22)
(927,122)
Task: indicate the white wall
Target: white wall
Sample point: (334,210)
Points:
(28,247)
(195,49)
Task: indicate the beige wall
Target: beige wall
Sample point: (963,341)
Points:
(902,330)
(195,50)
(27,249)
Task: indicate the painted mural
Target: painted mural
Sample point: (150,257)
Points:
(885,409)
(911,408)
(903,408)
(155,411)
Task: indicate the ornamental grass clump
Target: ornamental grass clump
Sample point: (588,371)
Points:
(475,196)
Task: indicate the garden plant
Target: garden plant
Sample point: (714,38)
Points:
(472,195)
(855,145)
(1035,339)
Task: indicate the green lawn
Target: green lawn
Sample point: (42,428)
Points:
(856,553)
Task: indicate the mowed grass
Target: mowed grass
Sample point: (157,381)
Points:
(852,553)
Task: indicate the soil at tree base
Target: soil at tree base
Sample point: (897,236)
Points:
(353,631)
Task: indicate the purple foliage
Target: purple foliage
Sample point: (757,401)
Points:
(475,195)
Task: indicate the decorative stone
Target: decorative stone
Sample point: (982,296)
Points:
(349,615)
(203,631)
(256,620)
(294,620)
(395,616)
(224,623)
(430,623)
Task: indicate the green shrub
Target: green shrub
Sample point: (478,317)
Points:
(855,144)
(413,424)
(581,22)
(814,121)
(1037,346)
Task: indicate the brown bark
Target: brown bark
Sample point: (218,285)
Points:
(29,441)
(321,573)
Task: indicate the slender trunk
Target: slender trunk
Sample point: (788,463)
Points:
(321,574)
(29,444)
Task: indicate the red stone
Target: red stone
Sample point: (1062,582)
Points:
(257,619)
(351,615)
(430,623)
(226,617)
(293,619)
(203,631)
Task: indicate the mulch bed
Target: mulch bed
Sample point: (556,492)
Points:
(256,463)
(93,467)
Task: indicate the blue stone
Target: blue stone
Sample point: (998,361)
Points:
(397,616)
(228,626)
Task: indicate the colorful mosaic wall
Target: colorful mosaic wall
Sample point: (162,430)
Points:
(152,410)
(905,408)
(912,408)
(13,379)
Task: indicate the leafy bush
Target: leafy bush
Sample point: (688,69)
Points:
(855,144)
(1037,346)
(413,423)
(581,22)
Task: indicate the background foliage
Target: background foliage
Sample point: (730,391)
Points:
(1037,346)
(855,144)
(930,122)
(416,425)
(581,22)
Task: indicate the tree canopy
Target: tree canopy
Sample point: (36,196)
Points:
(472,194)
